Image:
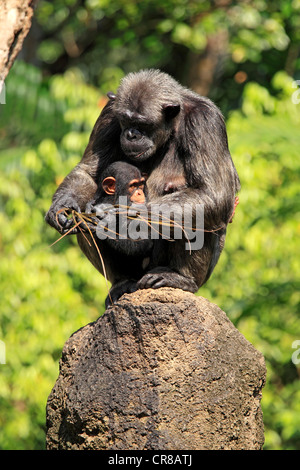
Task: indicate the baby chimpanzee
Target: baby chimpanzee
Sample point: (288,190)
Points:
(122,228)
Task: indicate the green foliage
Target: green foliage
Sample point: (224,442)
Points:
(125,35)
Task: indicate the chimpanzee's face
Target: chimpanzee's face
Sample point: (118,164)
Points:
(144,128)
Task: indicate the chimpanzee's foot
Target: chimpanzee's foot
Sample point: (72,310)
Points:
(165,277)
(122,287)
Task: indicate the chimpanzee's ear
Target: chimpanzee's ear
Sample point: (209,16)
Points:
(111,95)
(171,110)
(109,185)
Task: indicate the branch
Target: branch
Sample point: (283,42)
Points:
(15,22)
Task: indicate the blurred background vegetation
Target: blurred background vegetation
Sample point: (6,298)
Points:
(244,55)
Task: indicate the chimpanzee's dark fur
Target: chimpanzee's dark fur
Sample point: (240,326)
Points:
(172,134)
(130,257)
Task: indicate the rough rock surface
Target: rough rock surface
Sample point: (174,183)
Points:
(162,369)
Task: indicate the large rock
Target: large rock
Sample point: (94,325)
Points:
(162,369)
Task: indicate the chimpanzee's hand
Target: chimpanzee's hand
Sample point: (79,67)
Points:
(91,207)
(57,216)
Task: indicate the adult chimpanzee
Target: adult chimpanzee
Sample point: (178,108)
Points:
(173,135)
(119,200)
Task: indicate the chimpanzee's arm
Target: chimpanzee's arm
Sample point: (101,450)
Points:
(212,181)
(80,185)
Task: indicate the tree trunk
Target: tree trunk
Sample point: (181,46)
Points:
(15,22)
(203,67)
